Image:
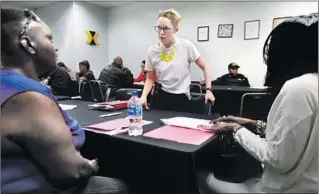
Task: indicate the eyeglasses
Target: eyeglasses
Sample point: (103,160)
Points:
(31,17)
(165,29)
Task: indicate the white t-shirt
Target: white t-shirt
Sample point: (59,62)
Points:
(174,76)
(291,134)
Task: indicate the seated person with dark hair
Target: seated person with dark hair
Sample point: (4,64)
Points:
(142,76)
(85,73)
(232,78)
(60,83)
(73,75)
(116,75)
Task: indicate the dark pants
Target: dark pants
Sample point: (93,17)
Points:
(101,185)
(178,102)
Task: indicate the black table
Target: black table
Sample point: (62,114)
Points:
(147,165)
(61,98)
(238,88)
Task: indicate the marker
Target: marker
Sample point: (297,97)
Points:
(111,114)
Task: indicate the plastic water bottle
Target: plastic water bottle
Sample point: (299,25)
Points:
(135,115)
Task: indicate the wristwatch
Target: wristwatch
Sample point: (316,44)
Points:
(209,89)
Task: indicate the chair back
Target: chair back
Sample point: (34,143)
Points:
(97,91)
(195,88)
(124,93)
(85,91)
(255,105)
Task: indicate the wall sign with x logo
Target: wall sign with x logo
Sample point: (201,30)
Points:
(92,37)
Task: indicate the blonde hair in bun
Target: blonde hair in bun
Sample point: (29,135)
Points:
(172,15)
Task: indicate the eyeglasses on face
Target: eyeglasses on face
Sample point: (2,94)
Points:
(160,28)
(31,17)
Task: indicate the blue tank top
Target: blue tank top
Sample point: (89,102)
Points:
(18,173)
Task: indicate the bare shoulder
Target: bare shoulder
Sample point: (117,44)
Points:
(29,101)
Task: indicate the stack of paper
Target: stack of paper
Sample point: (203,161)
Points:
(186,122)
(67,106)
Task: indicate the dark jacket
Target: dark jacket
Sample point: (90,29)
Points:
(229,79)
(117,76)
(61,83)
(89,75)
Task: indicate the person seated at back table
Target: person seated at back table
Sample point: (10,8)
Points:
(289,150)
(142,76)
(116,75)
(73,75)
(60,83)
(39,142)
(232,78)
(85,73)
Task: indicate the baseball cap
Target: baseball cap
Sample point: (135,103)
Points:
(233,65)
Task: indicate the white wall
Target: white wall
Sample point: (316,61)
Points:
(131,32)
(12,5)
(68,22)
(60,19)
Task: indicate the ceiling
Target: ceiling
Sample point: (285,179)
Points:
(38,4)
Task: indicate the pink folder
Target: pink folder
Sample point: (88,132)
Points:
(110,125)
(179,134)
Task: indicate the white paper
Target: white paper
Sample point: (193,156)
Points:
(259,87)
(67,106)
(252,30)
(187,122)
(202,33)
(113,131)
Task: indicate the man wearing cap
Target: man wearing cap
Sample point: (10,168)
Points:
(232,78)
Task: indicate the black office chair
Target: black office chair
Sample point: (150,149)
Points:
(124,93)
(195,87)
(97,91)
(255,105)
(85,91)
(202,108)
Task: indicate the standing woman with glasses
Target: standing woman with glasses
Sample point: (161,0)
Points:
(171,59)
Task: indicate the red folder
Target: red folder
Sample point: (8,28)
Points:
(179,134)
(118,105)
(110,125)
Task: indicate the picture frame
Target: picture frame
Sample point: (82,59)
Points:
(202,33)
(251,30)
(277,21)
(225,30)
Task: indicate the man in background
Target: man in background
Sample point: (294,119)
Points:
(232,78)
(85,73)
(116,75)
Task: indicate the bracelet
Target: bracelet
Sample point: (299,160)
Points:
(236,129)
(261,126)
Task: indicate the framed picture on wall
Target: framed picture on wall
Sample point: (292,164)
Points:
(203,33)
(278,21)
(251,30)
(225,30)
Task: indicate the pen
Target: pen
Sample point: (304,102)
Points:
(110,114)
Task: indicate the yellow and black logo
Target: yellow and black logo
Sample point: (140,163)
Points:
(92,37)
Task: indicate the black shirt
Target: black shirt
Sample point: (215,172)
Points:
(233,80)
(88,74)
(61,83)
